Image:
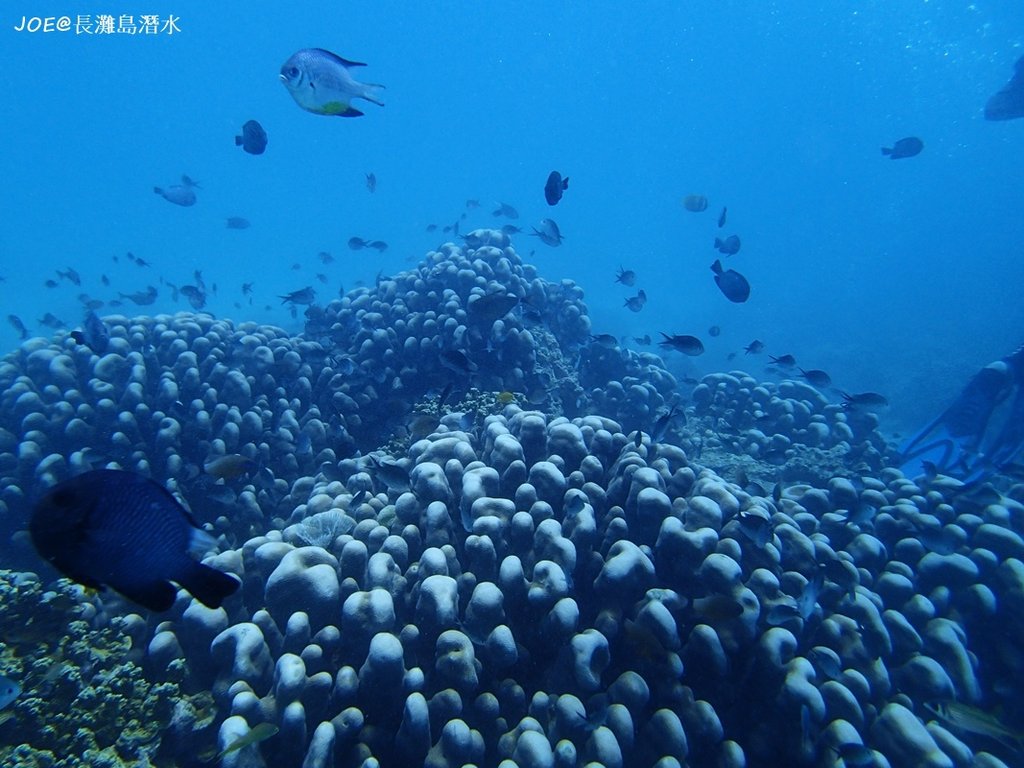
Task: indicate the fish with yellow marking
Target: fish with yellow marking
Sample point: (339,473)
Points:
(321,82)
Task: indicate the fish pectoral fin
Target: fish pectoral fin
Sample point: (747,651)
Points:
(208,585)
(154,595)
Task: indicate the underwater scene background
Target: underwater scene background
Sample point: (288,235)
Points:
(464,401)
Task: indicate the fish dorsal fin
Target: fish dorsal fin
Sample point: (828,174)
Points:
(337,58)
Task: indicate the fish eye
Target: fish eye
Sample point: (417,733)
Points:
(292,71)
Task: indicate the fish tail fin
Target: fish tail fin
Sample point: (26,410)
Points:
(372,93)
(886,150)
(208,585)
(158,190)
(717,267)
(238,141)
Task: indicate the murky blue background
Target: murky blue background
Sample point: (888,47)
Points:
(901,277)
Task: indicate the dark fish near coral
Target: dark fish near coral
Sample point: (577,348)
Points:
(855,755)
(142,298)
(511,229)
(863,400)
(196,296)
(1008,102)
(321,82)
(302,296)
(753,348)
(970,719)
(18,325)
(237,222)
(9,691)
(721,218)
(259,733)
(730,246)
(714,330)
(371,182)
(94,334)
(494,306)
(52,321)
(908,147)
(756,525)
(661,425)
(783,361)
(816,377)
(626,276)
(457,362)
(118,529)
(636,303)
(554,187)
(391,473)
(606,340)
(357,243)
(548,233)
(695,203)
(506,210)
(643,341)
(688,345)
(253,139)
(378,245)
(733,285)
(179,194)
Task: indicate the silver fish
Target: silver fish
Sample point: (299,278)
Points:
(180,194)
(321,83)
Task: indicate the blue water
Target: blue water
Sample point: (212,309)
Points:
(901,277)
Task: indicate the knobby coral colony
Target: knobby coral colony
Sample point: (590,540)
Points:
(520,587)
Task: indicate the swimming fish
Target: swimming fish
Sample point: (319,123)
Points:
(626,277)
(52,321)
(732,284)
(863,400)
(754,347)
(112,528)
(695,203)
(457,362)
(783,361)
(237,222)
(730,246)
(379,245)
(357,243)
(321,83)
(721,217)
(970,719)
(70,275)
(302,296)
(142,298)
(907,147)
(253,139)
(494,306)
(636,303)
(548,233)
(230,466)
(1008,102)
(391,473)
(259,733)
(816,377)
(643,341)
(179,194)
(371,182)
(94,334)
(18,325)
(688,345)
(506,210)
(554,187)
(605,340)
(9,691)
(714,330)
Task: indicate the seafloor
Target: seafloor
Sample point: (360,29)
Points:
(516,574)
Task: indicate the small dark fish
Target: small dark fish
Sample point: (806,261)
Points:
(472,203)
(753,348)
(431,227)
(863,400)
(717,609)
(626,276)
(142,298)
(51,283)
(196,296)
(325,257)
(105,280)
(180,194)
(554,187)
(371,182)
(94,334)
(511,229)
(783,361)
(237,222)
(261,732)
(714,330)
(606,340)
(302,296)
(246,289)
(357,243)
(908,147)
(444,394)
(9,691)
(732,284)
(643,341)
(379,245)
(253,139)
(636,303)
(141,262)
(18,325)
(662,424)
(695,203)
(112,528)
(721,218)
(816,377)
(70,275)
(808,600)
(321,277)
(638,439)
(688,345)
(757,527)
(548,233)
(855,755)
(51,321)
(730,246)
(391,473)
(1008,102)
(506,210)
(457,362)
(89,302)
(230,467)
(494,306)
(296,267)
